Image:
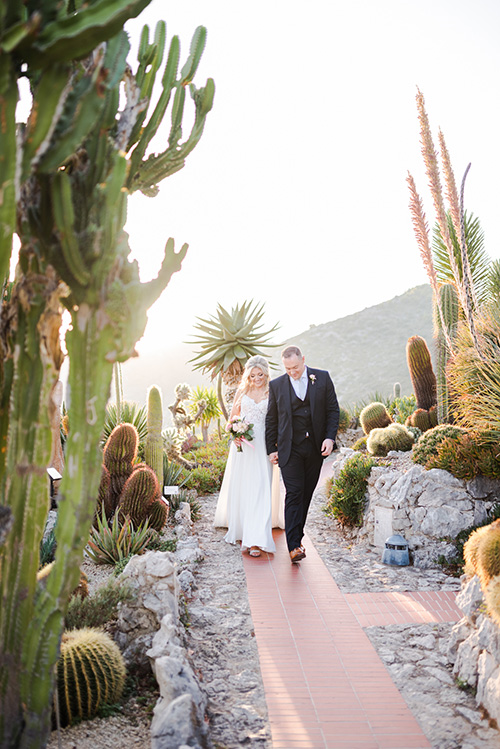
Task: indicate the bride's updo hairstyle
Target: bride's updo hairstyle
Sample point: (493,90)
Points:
(255,361)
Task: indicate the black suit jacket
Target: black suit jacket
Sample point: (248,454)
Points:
(324,413)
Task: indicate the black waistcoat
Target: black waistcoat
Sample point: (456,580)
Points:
(301,417)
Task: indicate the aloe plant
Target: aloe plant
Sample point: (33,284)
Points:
(65,177)
(227,340)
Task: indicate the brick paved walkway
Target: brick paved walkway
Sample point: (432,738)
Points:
(325,686)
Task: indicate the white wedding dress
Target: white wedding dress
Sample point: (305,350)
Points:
(250,502)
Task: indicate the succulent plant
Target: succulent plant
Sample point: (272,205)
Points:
(227,341)
(428,443)
(488,554)
(422,375)
(139,493)
(380,441)
(374,416)
(90,673)
(154,440)
(492,598)
(158,514)
(423,419)
(471,547)
(120,451)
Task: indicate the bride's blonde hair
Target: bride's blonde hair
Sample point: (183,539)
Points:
(254,361)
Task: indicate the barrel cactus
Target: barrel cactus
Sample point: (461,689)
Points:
(158,514)
(422,375)
(374,416)
(428,444)
(488,555)
(492,598)
(90,673)
(393,437)
(471,547)
(120,452)
(154,440)
(139,493)
(423,419)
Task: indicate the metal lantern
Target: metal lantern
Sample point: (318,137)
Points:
(396,551)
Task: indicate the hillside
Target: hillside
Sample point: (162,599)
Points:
(364,352)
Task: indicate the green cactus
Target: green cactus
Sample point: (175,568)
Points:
(374,416)
(428,443)
(421,373)
(139,493)
(90,673)
(423,419)
(154,440)
(158,514)
(65,178)
(449,304)
(488,555)
(380,441)
(397,390)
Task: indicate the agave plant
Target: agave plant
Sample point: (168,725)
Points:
(110,544)
(227,341)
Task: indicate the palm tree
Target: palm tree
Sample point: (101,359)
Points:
(227,341)
(211,411)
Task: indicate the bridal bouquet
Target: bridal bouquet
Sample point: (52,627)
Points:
(239,428)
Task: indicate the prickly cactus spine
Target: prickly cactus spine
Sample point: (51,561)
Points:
(154,440)
(488,555)
(373,416)
(158,514)
(422,375)
(120,452)
(393,437)
(90,673)
(139,493)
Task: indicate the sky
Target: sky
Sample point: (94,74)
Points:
(296,195)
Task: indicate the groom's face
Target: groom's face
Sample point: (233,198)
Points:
(294,366)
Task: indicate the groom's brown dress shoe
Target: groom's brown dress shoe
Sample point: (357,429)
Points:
(297,554)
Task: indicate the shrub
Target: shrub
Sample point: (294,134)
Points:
(210,460)
(463,455)
(111,544)
(98,608)
(346,494)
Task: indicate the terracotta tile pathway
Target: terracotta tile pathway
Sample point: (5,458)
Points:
(325,685)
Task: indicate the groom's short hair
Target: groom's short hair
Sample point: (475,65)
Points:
(291,351)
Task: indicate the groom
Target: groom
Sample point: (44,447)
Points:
(301,425)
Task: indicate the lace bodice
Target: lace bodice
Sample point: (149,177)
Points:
(254,412)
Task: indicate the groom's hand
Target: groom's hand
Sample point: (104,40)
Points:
(273,457)
(326,448)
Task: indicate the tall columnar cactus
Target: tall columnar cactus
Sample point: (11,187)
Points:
(421,373)
(374,416)
(90,673)
(154,440)
(65,178)
(447,318)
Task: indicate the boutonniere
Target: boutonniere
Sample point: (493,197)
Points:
(312,377)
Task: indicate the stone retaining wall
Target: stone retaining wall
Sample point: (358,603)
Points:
(474,648)
(428,508)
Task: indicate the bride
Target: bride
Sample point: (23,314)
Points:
(250,502)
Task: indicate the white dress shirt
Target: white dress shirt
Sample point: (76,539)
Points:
(300,385)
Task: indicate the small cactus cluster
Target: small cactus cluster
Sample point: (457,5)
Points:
(132,490)
(428,444)
(423,419)
(380,441)
(482,558)
(374,416)
(90,673)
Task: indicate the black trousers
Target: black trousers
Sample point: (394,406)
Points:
(300,476)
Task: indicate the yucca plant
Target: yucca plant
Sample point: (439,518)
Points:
(110,544)
(211,411)
(227,341)
(128,413)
